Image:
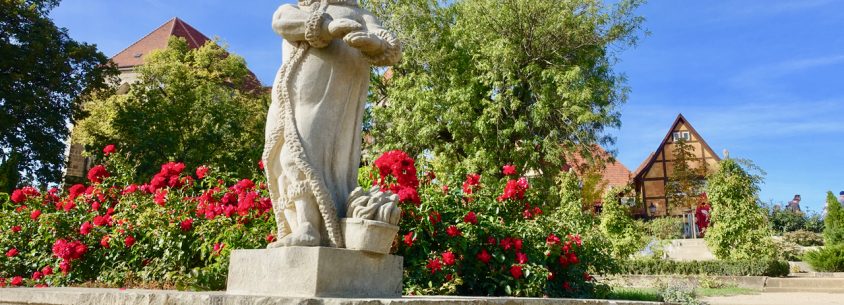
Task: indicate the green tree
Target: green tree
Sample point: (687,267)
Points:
(685,183)
(43,72)
(739,228)
(197,106)
(489,82)
(617,225)
(833,232)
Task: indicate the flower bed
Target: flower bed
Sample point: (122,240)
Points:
(493,236)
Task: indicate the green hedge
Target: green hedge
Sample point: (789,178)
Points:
(827,259)
(725,268)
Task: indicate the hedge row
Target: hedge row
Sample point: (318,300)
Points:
(723,268)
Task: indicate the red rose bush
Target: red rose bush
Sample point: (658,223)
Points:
(476,235)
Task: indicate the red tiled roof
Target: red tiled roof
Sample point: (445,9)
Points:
(157,39)
(614,173)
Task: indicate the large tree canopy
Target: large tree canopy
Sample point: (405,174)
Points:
(198,106)
(490,82)
(42,74)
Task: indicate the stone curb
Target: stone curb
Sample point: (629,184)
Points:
(102,296)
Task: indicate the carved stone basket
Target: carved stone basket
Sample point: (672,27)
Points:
(368,235)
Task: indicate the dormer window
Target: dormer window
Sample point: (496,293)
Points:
(682,135)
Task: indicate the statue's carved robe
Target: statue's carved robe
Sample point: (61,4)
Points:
(327,90)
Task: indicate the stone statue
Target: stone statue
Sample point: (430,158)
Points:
(313,132)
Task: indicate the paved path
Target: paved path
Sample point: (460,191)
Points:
(779,298)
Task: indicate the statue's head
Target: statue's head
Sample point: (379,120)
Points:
(340,2)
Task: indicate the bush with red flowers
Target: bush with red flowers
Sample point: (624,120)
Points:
(177,228)
(478,240)
(164,233)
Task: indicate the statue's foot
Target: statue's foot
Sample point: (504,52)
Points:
(275,244)
(306,236)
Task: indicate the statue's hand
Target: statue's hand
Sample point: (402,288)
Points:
(340,27)
(366,42)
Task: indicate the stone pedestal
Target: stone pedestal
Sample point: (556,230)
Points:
(314,272)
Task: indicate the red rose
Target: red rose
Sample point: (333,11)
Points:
(270,238)
(34,215)
(218,247)
(129,189)
(508,170)
(85,229)
(453,231)
(445,189)
(18,196)
(408,239)
(566,286)
(109,149)
(576,239)
(434,217)
(517,244)
(129,241)
(434,265)
(484,256)
(506,243)
(471,218)
(261,164)
(37,275)
(491,240)
(65,266)
(160,197)
(98,173)
(16,229)
(47,270)
(516,271)
(17,281)
(471,181)
(104,241)
(515,189)
(76,190)
(521,258)
(201,171)
(448,258)
(186,224)
(552,239)
(12,252)
(573,258)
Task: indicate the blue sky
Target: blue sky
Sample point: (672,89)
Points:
(763,79)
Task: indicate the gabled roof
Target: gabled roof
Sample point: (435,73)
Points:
(642,170)
(614,172)
(157,39)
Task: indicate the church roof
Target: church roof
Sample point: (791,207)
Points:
(157,39)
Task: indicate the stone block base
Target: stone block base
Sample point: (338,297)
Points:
(314,272)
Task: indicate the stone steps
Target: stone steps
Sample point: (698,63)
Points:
(689,250)
(805,284)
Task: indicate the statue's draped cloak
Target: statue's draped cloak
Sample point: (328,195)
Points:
(327,90)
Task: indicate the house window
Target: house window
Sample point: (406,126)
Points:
(682,135)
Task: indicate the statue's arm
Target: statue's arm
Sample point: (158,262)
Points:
(388,52)
(296,25)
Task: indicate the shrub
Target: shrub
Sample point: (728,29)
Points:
(174,231)
(739,228)
(492,236)
(804,238)
(765,267)
(833,232)
(830,258)
(626,237)
(788,250)
(665,228)
(679,293)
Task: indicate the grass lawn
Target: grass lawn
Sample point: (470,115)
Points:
(652,294)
